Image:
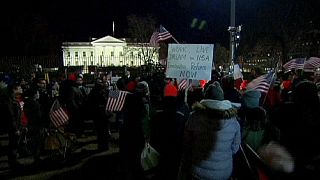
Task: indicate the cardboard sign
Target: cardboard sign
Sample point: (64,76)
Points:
(190,61)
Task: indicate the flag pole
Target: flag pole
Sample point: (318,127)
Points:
(272,78)
(175,40)
(189,81)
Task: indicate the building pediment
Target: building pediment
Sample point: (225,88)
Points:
(107,40)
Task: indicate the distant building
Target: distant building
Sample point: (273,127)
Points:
(266,63)
(108,51)
(306,44)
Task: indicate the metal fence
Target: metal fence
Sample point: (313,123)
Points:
(26,62)
(102,61)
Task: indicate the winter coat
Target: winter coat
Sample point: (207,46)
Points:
(11,114)
(254,126)
(212,137)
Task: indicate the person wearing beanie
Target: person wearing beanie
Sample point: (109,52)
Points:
(170,89)
(143,88)
(212,137)
(230,92)
(214,91)
(132,84)
(251,98)
(252,119)
(135,130)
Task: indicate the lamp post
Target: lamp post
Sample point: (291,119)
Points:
(234,34)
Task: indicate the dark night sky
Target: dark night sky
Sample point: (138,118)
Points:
(77,20)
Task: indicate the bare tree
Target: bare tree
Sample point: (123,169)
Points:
(141,29)
(221,55)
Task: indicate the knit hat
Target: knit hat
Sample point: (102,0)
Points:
(251,98)
(170,90)
(142,87)
(214,91)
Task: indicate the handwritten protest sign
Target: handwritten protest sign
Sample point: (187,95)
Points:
(190,61)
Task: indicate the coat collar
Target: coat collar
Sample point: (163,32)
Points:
(215,104)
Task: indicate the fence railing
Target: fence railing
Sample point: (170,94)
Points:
(25,62)
(103,61)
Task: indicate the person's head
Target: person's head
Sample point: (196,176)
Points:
(23,82)
(99,81)
(227,82)
(98,85)
(127,74)
(251,99)
(15,90)
(79,80)
(170,90)
(143,88)
(306,93)
(214,91)
(42,83)
(168,80)
(32,94)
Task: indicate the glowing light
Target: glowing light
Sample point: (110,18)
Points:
(194,22)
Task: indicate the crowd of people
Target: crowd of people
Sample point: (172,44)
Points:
(196,139)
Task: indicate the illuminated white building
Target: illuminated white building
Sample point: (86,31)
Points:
(108,51)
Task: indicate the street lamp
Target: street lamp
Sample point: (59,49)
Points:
(234,34)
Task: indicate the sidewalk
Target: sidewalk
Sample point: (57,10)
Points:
(79,164)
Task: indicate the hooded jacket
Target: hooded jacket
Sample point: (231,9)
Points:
(212,136)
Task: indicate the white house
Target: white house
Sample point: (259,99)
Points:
(108,51)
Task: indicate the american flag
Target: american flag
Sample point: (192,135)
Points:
(297,63)
(182,84)
(57,115)
(116,100)
(312,63)
(153,39)
(262,83)
(163,34)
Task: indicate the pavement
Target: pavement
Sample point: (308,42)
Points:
(84,162)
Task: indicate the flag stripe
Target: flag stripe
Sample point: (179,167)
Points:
(116,100)
(153,39)
(57,115)
(262,83)
(182,84)
(297,63)
(312,63)
(163,34)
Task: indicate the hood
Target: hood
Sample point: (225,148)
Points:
(216,104)
(215,108)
